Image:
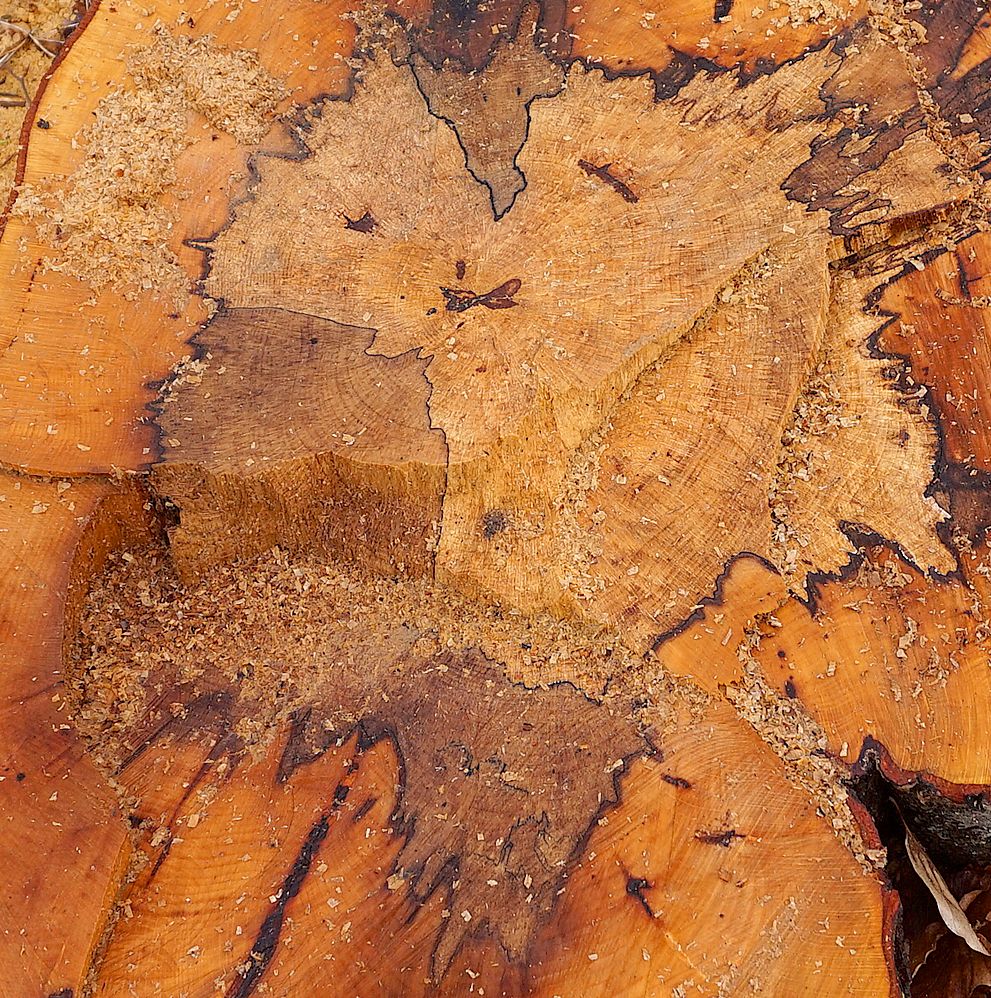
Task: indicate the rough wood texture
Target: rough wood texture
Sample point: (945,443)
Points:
(494,501)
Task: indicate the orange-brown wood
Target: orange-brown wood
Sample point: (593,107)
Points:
(939,323)
(64,843)
(612,386)
(123,338)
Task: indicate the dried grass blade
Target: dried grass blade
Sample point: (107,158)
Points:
(949,908)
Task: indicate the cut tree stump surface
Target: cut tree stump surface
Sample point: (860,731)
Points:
(494,500)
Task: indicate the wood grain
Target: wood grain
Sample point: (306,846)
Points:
(494,500)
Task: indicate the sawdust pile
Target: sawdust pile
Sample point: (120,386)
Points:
(801,745)
(819,412)
(281,633)
(579,545)
(499,781)
(107,218)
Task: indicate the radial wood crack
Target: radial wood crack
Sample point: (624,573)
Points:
(494,499)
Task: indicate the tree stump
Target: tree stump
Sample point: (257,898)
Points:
(495,501)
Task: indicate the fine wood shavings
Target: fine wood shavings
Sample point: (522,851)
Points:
(107,219)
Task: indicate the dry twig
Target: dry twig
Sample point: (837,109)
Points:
(47,46)
(10,99)
(28,37)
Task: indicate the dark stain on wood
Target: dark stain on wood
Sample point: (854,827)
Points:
(635,886)
(724,839)
(493,522)
(465,32)
(268,412)
(264,946)
(461,299)
(207,711)
(603,173)
(499,783)
(366,224)
(364,808)
(305,744)
(962,97)
(828,179)
(969,491)
(676,781)
(679,72)
(498,786)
